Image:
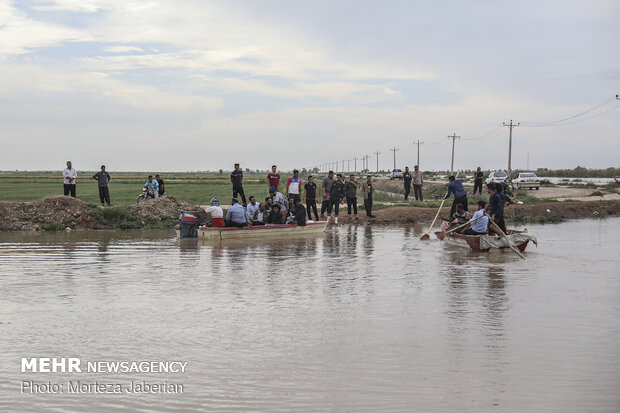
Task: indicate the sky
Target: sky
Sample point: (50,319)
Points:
(178,85)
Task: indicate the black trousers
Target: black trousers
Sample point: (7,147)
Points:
(311,203)
(478,186)
(70,188)
(462,200)
(417,191)
(470,231)
(335,204)
(324,206)
(239,191)
(236,224)
(352,202)
(499,221)
(104,194)
(368,205)
(407,190)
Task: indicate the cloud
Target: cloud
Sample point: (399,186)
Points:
(19,34)
(122,49)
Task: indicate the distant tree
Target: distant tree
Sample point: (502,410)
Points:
(247,170)
(221,171)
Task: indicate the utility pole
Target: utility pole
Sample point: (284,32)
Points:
(454,138)
(343,165)
(394,149)
(348,165)
(418,142)
(366,167)
(355,163)
(510,125)
(377,153)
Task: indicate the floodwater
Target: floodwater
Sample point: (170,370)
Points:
(360,319)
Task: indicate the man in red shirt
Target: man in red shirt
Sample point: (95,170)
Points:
(273,178)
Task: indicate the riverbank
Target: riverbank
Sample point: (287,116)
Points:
(61,213)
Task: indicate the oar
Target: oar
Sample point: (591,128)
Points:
(426,236)
(442,235)
(499,231)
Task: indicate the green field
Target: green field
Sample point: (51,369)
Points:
(125,187)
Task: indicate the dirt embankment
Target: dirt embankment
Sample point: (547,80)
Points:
(54,212)
(61,212)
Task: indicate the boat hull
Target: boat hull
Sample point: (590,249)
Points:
(260,231)
(486,243)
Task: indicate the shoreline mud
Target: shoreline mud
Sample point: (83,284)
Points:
(61,213)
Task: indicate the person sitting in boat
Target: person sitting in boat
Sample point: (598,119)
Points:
(215,214)
(261,215)
(497,201)
(459,217)
(460,195)
(290,216)
(300,213)
(479,222)
(275,216)
(236,215)
(252,207)
(268,204)
(278,199)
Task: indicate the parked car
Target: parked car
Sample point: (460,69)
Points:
(497,176)
(396,174)
(526,180)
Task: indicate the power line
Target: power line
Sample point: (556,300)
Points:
(554,122)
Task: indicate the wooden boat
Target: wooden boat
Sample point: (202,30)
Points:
(484,243)
(260,231)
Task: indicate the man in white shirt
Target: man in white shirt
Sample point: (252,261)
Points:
(252,207)
(69,175)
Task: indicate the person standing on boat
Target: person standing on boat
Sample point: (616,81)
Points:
(236,215)
(327,187)
(497,201)
(310,188)
(293,186)
(252,207)
(407,182)
(478,222)
(103,178)
(216,213)
(273,178)
(336,196)
(460,195)
(369,191)
(69,176)
(478,181)
(418,181)
(351,193)
(236,177)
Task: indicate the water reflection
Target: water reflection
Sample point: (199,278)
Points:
(358,319)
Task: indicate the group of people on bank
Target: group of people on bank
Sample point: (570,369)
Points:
(155,187)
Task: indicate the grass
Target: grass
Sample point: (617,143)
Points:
(597,193)
(53,226)
(125,187)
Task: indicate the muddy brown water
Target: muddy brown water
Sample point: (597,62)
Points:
(360,319)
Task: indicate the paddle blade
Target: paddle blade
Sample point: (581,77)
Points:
(425,237)
(440,235)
